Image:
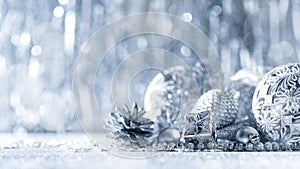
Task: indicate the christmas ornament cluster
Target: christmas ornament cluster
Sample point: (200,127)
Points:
(246,116)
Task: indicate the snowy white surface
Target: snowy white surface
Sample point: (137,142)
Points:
(64,151)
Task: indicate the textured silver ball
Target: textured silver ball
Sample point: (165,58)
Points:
(247,135)
(170,135)
(276,103)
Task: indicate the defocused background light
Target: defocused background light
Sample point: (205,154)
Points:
(36,50)
(58,11)
(25,39)
(187,17)
(63,2)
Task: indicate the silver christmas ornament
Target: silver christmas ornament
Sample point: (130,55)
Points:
(229,132)
(169,135)
(268,146)
(247,135)
(276,103)
(249,147)
(260,146)
(239,147)
(188,85)
(162,100)
(131,128)
(213,111)
(187,82)
(195,125)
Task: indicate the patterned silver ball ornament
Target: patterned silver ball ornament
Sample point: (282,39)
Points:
(276,103)
(130,128)
(162,100)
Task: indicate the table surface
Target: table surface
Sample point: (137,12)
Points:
(75,150)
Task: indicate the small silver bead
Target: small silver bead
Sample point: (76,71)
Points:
(268,146)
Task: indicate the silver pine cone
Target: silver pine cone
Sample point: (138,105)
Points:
(131,128)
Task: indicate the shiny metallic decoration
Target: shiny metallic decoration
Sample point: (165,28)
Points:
(190,91)
(268,146)
(214,110)
(247,135)
(195,125)
(276,104)
(229,132)
(162,100)
(192,82)
(260,146)
(131,128)
(169,135)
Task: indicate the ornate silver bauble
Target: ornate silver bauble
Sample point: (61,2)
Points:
(191,82)
(276,104)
